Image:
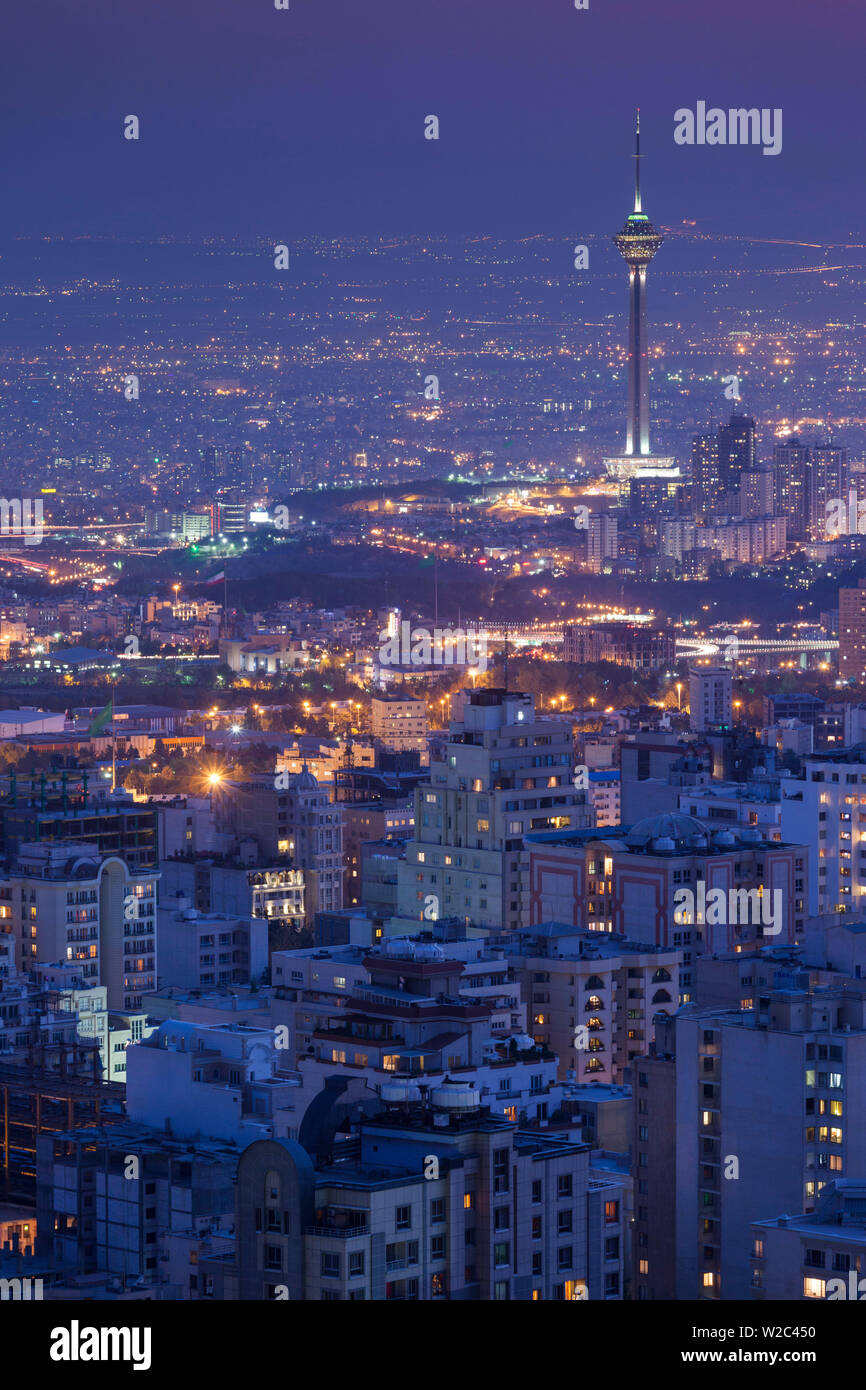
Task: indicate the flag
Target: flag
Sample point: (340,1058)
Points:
(104,717)
(217,579)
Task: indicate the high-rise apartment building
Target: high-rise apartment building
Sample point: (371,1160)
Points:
(294,817)
(503,772)
(852,632)
(826,484)
(765,1106)
(825,811)
(736,451)
(791,463)
(711,698)
(601,541)
(757,492)
(707,487)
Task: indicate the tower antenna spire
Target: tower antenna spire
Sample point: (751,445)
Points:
(637,206)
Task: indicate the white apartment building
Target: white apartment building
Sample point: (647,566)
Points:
(71,903)
(217,1080)
(826,812)
(711,704)
(605,797)
(115,1031)
(400,722)
(197,949)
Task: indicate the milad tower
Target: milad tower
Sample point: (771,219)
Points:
(637,243)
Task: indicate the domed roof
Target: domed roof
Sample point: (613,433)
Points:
(673,825)
(304,781)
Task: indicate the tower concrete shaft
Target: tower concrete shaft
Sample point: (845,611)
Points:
(637,243)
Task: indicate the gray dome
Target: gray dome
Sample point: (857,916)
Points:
(682,830)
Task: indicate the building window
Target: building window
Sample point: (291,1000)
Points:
(500,1170)
(330,1265)
(403,1218)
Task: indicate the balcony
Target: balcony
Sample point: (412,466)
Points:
(339,1232)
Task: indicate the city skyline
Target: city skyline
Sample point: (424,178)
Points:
(432,669)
